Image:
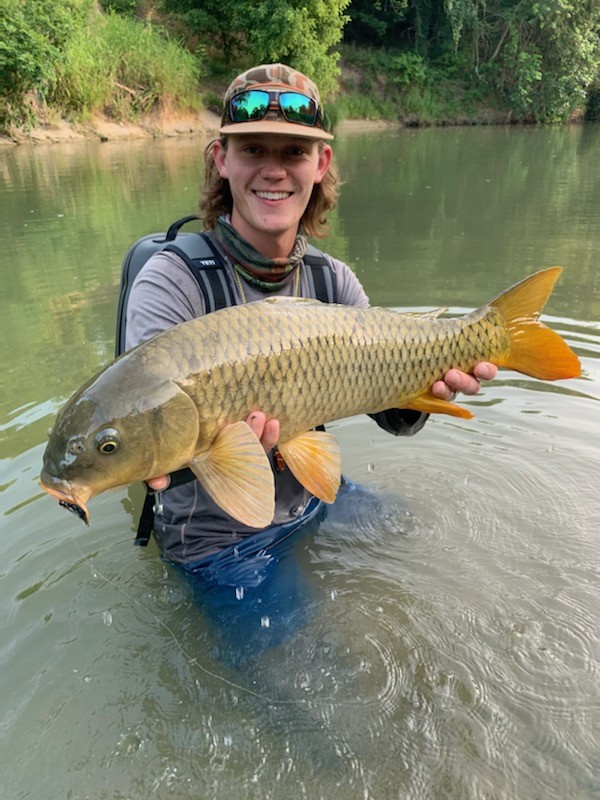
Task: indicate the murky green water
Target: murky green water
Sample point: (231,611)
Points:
(453,650)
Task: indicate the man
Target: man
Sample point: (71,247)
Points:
(270,179)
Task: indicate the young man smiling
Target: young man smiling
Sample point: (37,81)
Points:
(270,180)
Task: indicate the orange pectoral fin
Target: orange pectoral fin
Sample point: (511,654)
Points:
(430,404)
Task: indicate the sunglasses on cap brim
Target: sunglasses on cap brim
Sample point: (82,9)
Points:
(254,104)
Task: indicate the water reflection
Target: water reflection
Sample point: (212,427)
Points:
(440,217)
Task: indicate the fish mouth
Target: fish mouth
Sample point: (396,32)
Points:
(69,501)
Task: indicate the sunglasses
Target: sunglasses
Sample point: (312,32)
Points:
(254,104)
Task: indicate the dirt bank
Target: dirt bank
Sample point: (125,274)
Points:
(106,130)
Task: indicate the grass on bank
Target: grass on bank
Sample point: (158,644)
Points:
(398,85)
(123,68)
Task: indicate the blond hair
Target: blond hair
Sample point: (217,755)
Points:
(216,198)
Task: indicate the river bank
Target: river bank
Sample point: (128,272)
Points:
(103,129)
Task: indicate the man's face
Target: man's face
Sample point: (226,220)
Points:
(271,179)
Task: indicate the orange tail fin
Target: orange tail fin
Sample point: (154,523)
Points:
(534,349)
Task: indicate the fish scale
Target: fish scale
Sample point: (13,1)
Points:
(322,362)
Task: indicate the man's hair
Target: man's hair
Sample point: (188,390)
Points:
(216,196)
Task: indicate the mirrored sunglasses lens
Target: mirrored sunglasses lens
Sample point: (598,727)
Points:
(298,108)
(249,105)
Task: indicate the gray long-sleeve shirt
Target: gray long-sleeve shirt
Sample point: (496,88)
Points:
(165,293)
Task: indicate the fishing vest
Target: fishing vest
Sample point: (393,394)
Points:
(204,261)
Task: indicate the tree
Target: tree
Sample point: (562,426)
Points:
(301,33)
(218,23)
(547,57)
(376,22)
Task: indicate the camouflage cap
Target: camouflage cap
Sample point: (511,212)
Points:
(273,76)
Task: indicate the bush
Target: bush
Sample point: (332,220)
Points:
(124,67)
(120,6)
(33,34)
(592,108)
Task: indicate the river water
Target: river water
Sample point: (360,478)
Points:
(452,649)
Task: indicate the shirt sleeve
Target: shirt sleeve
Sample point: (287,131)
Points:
(349,289)
(163,294)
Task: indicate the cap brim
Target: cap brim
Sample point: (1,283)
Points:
(274,126)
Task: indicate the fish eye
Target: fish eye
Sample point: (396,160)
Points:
(107,441)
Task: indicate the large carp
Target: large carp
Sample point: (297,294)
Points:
(181,398)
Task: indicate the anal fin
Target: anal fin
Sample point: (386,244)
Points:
(430,404)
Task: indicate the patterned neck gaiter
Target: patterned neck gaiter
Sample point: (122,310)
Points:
(266,274)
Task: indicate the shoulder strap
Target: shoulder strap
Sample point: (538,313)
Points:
(204,262)
(198,253)
(321,278)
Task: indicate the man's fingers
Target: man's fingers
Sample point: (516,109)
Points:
(265,430)
(457,381)
(256,420)
(485,371)
(442,390)
(270,436)
(160,483)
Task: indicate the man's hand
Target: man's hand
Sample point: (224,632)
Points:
(266,430)
(457,381)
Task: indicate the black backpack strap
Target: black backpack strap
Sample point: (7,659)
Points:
(146,523)
(206,265)
(320,276)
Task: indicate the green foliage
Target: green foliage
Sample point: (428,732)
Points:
(375,22)
(377,70)
(538,59)
(301,33)
(33,34)
(124,67)
(216,23)
(407,68)
(120,6)
(242,33)
(462,14)
(383,78)
(548,57)
(213,101)
(356,105)
(592,108)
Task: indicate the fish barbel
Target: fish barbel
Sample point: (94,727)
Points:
(181,398)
